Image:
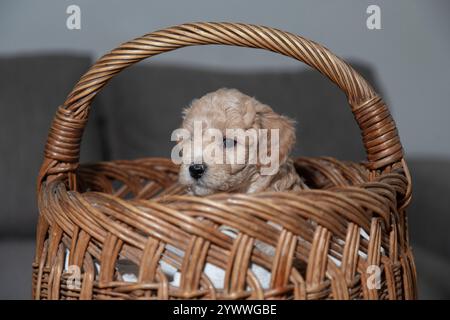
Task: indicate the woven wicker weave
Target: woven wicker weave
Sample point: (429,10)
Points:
(101,214)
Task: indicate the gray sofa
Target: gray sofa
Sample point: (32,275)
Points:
(134,116)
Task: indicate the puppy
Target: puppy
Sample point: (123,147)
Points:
(230,109)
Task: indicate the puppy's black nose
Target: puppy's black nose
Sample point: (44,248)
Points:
(197,170)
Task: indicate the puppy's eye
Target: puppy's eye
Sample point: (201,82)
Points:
(229,143)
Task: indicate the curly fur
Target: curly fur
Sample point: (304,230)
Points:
(229,108)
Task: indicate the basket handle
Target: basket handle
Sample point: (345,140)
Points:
(378,130)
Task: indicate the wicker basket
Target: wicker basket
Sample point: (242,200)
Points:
(331,242)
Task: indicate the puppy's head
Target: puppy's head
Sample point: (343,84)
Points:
(213,117)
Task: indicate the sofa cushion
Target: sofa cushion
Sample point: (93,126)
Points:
(428,213)
(31,88)
(15,268)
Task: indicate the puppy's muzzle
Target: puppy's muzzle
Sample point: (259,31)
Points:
(197,170)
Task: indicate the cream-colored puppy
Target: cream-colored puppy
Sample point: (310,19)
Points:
(230,109)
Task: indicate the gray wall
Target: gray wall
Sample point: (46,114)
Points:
(409,55)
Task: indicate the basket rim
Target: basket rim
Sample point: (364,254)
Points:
(394,183)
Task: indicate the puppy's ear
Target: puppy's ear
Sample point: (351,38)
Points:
(249,115)
(268,119)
